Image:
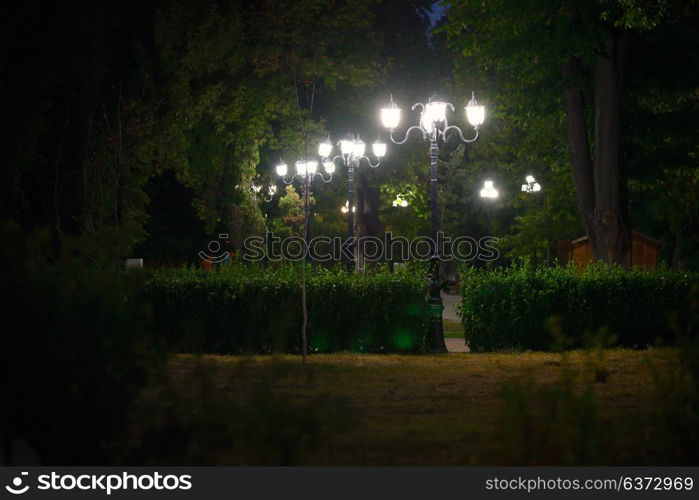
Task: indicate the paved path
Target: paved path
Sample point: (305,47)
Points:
(451,302)
(456,345)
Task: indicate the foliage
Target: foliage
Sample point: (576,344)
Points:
(101,100)
(253,309)
(677,392)
(563,422)
(292,208)
(513,51)
(536,307)
(550,424)
(74,353)
(250,422)
(409,221)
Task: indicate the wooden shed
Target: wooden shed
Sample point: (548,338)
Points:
(644,251)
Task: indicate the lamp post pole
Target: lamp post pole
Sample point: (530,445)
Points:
(433,125)
(351,153)
(350,210)
(306,171)
(435,300)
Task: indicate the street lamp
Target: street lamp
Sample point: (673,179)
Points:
(531,185)
(306,170)
(352,151)
(433,126)
(400,202)
(489,191)
(345,208)
(271,191)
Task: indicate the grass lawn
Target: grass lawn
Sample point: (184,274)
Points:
(357,409)
(453,329)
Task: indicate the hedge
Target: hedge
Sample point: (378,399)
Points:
(251,309)
(538,308)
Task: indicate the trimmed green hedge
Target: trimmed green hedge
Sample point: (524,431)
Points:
(250,309)
(523,307)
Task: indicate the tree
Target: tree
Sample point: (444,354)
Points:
(572,56)
(100,101)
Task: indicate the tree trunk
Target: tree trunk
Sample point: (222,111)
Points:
(579,147)
(598,183)
(613,235)
(367,221)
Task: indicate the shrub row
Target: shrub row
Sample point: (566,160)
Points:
(245,309)
(537,308)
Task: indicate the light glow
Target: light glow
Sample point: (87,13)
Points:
(390,117)
(345,208)
(282,169)
(531,185)
(325,149)
(475,112)
(379,149)
(427,124)
(358,148)
(436,111)
(489,190)
(329,166)
(346,146)
(306,167)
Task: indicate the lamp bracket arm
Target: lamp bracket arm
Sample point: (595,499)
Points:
(371,164)
(407,134)
(461,135)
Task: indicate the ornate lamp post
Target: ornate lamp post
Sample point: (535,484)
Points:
(306,172)
(489,191)
(271,191)
(433,126)
(530,186)
(351,154)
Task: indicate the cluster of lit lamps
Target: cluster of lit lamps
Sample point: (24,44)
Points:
(432,126)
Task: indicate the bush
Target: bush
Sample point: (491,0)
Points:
(534,308)
(74,353)
(237,413)
(250,309)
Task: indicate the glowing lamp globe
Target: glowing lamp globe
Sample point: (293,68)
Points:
(282,169)
(489,190)
(346,146)
(390,116)
(358,148)
(475,113)
(436,111)
(324,149)
(379,149)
